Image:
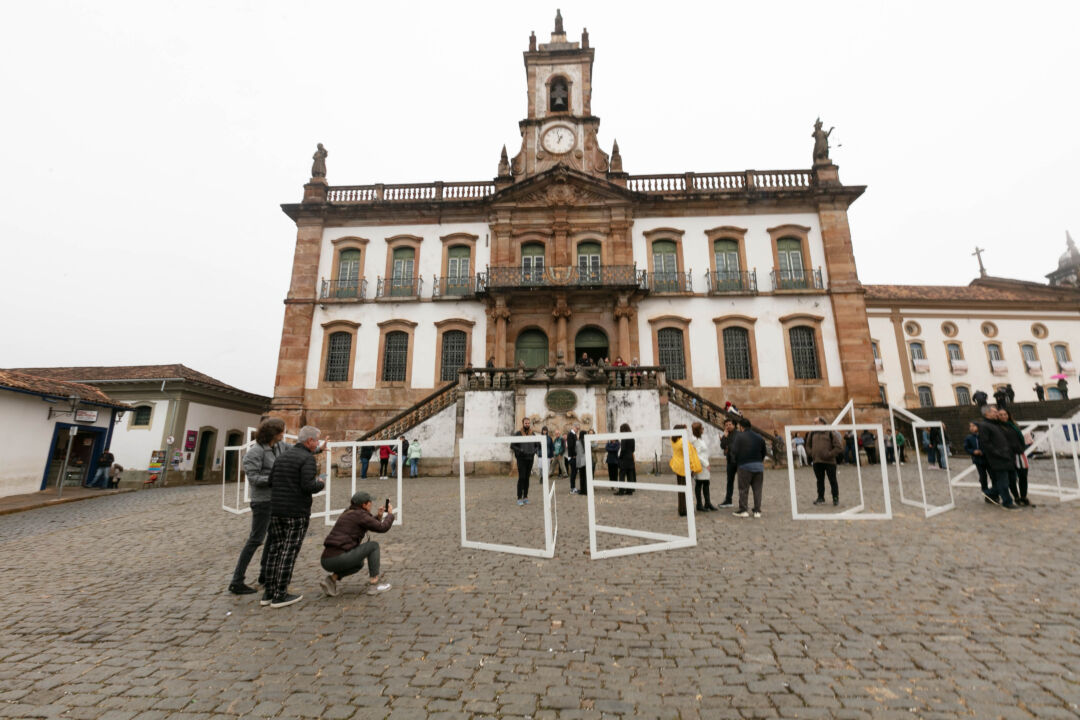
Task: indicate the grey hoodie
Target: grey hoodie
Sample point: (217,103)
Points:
(257,464)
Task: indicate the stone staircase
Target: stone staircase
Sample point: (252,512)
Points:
(412,416)
(715,415)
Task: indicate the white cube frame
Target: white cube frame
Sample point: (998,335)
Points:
(551,520)
(242,502)
(853,513)
(330,514)
(917,423)
(667,541)
(1063,493)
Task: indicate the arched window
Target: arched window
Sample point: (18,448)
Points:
(349,270)
(954,351)
(141,416)
(532,263)
(458,281)
(789,256)
(926,396)
(396,357)
(1029,353)
(665,266)
(804,358)
(559,95)
(402,280)
(1061,354)
(531,348)
(337,357)
(917,351)
(592,342)
(963,395)
(669,343)
(453,354)
(737,353)
(993,351)
(588,257)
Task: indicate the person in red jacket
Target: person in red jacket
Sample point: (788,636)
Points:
(344,549)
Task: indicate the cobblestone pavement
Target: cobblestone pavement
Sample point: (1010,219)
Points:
(115,609)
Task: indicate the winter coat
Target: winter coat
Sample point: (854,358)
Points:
(258,461)
(292,483)
(825,446)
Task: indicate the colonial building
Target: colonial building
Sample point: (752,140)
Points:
(201,415)
(740,285)
(937,345)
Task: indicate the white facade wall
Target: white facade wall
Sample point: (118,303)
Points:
(488,414)
(572,72)
(132,445)
(640,409)
(1014,329)
(26,434)
(436,434)
(222,420)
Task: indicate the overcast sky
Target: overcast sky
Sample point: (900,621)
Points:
(147,146)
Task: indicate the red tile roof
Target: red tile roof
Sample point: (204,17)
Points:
(980,290)
(132,373)
(56,388)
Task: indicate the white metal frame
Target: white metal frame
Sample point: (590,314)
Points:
(917,423)
(329,514)
(241,479)
(667,540)
(1061,492)
(853,513)
(551,520)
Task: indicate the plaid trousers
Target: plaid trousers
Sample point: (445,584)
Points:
(285,537)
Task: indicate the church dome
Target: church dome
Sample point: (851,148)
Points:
(1071,256)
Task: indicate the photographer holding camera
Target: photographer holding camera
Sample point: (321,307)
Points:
(345,550)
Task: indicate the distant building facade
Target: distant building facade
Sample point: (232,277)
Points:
(202,415)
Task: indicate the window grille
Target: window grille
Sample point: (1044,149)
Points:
(395,357)
(804,353)
(142,415)
(337,357)
(1061,354)
(994,351)
(1029,353)
(917,351)
(737,353)
(963,396)
(669,342)
(453,354)
(954,351)
(926,397)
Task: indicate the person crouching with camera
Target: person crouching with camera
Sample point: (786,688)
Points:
(345,549)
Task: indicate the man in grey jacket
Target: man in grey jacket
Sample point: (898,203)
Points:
(258,461)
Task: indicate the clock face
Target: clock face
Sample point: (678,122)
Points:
(558,140)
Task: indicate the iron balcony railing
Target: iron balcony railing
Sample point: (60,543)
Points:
(399,287)
(459,286)
(798,279)
(609,276)
(731,281)
(343,289)
(671,282)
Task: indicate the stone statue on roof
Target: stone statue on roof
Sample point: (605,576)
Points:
(318,168)
(821,143)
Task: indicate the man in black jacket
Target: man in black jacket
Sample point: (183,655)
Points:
(293,480)
(571,454)
(994,444)
(524,453)
(729,465)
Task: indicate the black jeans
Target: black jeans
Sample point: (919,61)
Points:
(382,466)
(1000,480)
(983,477)
(729,491)
(820,471)
(572,469)
(524,467)
(628,475)
(352,561)
(750,481)
(260,521)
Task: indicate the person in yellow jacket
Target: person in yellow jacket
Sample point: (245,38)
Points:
(678,465)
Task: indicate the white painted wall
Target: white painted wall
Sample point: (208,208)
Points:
(640,409)
(222,420)
(572,72)
(132,445)
(26,434)
(436,434)
(772,359)
(711,434)
(425,336)
(1012,331)
(488,414)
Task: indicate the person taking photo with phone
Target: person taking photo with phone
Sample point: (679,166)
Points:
(345,549)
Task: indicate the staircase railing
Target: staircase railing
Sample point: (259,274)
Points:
(412,416)
(712,413)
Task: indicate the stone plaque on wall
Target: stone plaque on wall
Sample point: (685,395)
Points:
(560,400)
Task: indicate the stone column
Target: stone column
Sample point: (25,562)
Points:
(288,402)
(561,313)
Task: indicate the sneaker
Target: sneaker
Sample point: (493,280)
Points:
(993,499)
(835,501)
(378,588)
(741,513)
(521,502)
(525,501)
(1010,507)
(574,491)
(285,600)
(757,513)
(329,585)
(267,598)
(819,501)
(241,589)
(725,504)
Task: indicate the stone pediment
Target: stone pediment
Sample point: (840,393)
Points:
(562,186)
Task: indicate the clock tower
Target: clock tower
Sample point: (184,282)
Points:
(560,128)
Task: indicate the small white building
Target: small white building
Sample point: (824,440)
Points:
(200,414)
(40,419)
